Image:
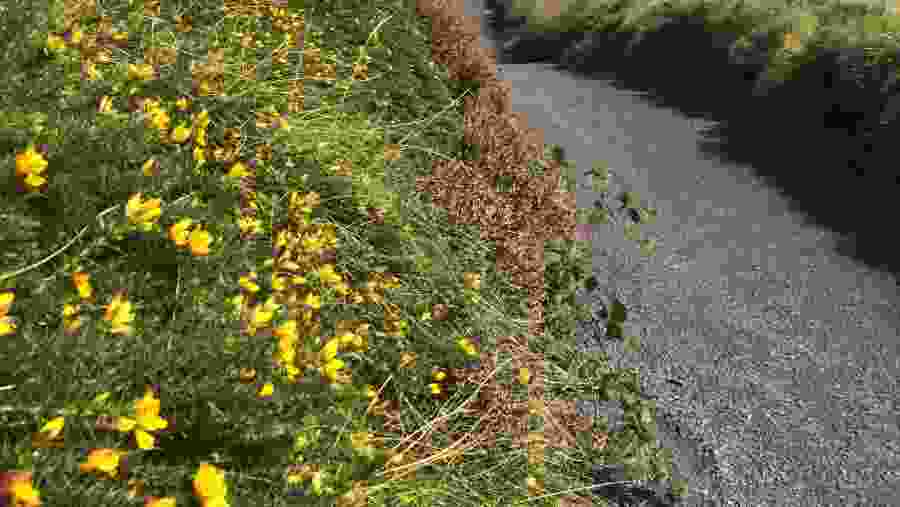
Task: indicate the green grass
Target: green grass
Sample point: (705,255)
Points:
(185,322)
(834,22)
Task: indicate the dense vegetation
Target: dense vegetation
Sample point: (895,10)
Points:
(211,244)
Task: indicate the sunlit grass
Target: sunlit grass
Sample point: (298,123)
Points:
(217,283)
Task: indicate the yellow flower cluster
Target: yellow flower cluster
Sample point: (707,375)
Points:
(7,323)
(303,280)
(30,165)
(209,482)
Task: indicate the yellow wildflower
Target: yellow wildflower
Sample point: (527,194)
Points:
(250,225)
(6,301)
(7,324)
(180,134)
(327,356)
(71,320)
(54,427)
(55,42)
(141,72)
(30,162)
(50,434)
(89,71)
(178,232)
(262,315)
(16,487)
(83,284)
(312,300)
(248,282)
(200,138)
(182,104)
(267,389)
(147,419)
(287,330)
(142,212)
(119,313)
(210,486)
(151,104)
(199,154)
(77,34)
(103,460)
(201,119)
(159,119)
(106,105)
(199,242)
(150,167)
(328,275)
(467,346)
(239,170)
(152,501)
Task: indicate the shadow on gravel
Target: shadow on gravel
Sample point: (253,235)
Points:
(816,150)
(692,459)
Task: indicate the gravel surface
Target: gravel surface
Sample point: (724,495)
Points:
(785,352)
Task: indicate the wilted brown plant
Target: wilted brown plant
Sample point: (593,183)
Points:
(519,221)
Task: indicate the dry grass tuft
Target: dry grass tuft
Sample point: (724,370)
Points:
(520,220)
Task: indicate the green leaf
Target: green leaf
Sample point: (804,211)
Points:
(600,169)
(647,215)
(582,312)
(552,258)
(599,216)
(618,313)
(584,439)
(892,23)
(614,330)
(632,344)
(600,184)
(632,231)
(24,458)
(806,23)
(629,199)
(648,247)
(679,488)
(646,418)
(872,24)
(647,434)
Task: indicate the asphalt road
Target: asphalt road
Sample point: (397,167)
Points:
(786,349)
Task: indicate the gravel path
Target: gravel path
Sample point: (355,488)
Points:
(787,351)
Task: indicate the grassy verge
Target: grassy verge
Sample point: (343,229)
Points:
(838,51)
(219,286)
(786,35)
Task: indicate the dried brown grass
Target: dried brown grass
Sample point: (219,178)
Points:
(519,221)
